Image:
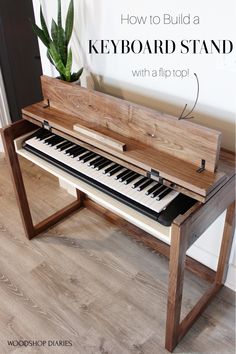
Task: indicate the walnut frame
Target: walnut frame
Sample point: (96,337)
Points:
(185,231)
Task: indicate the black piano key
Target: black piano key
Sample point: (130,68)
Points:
(102,165)
(61,144)
(127,175)
(157,191)
(82,155)
(132,178)
(57,140)
(110,168)
(153,188)
(141,181)
(39,133)
(65,146)
(96,161)
(51,139)
(45,135)
(89,156)
(144,185)
(115,170)
(164,193)
(72,149)
(123,173)
(48,138)
(78,152)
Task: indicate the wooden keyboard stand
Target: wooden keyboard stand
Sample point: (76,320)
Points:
(186,229)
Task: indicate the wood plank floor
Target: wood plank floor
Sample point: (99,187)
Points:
(84,281)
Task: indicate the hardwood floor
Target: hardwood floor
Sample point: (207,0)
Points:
(86,283)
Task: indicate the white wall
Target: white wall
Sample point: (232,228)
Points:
(216,107)
(217,73)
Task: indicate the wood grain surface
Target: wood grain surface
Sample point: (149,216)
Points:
(101,138)
(180,172)
(84,281)
(180,138)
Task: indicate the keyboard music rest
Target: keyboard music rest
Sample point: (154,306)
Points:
(151,226)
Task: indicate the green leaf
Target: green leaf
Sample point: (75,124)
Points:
(68,65)
(49,58)
(59,22)
(60,37)
(54,30)
(61,44)
(57,59)
(44,25)
(41,35)
(69,21)
(76,76)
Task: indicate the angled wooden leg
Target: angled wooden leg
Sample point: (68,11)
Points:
(9,134)
(176,277)
(56,217)
(175,330)
(226,244)
(15,171)
(220,275)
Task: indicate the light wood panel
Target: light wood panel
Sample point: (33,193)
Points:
(180,138)
(101,138)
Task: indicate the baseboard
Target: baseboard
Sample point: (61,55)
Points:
(210,260)
(231,277)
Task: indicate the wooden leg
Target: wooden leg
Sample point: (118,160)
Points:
(9,134)
(226,244)
(58,216)
(176,277)
(175,330)
(17,179)
(220,275)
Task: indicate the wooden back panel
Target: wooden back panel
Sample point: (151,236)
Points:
(183,139)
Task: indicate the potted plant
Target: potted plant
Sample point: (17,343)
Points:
(57,42)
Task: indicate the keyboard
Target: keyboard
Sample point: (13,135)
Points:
(145,195)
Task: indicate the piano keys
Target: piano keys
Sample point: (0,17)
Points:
(145,195)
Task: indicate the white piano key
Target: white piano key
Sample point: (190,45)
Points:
(109,181)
